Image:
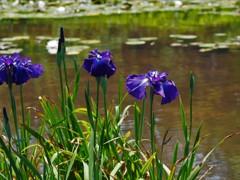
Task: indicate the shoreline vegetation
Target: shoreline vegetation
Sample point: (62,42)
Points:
(94,147)
(67,9)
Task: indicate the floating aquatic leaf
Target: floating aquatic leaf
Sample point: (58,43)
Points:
(222,48)
(133,39)
(205,50)
(73,53)
(137,42)
(7,45)
(15,38)
(148,38)
(195,44)
(220,34)
(176,44)
(207,45)
(11,51)
(90,41)
(76,48)
(235,45)
(42,38)
(183,36)
(73,39)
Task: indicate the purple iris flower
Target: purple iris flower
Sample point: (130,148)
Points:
(136,85)
(18,70)
(99,64)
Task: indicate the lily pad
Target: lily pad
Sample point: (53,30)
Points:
(220,34)
(205,50)
(11,51)
(73,50)
(195,44)
(207,45)
(90,41)
(183,36)
(148,38)
(73,39)
(16,38)
(7,45)
(47,38)
(132,43)
(176,44)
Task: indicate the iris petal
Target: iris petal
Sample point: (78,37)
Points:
(35,70)
(170,91)
(87,65)
(99,64)
(21,75)
(162,76)
(102,67)
(136,85)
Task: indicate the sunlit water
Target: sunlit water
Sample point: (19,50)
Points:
(217,93)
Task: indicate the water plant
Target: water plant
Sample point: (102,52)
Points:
(86,142)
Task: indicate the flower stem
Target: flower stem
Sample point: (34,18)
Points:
(152,128)
(13,106)
(23,117)
(95,174)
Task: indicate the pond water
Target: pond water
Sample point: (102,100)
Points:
(217,73)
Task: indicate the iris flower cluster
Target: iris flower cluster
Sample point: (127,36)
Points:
(136,86)
(18,70)
(100,64)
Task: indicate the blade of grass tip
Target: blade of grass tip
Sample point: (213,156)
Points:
(175,154)
(75,125)
(89,110)
(174,160)
(199,167)
(43,142)
(76,67)
(136,125)
(115,170)
(194,151)
(185,128)
(74,155)
(49,114)
(120,95)
(124,114)
(76,83)
(3,177)
(85,171)
(10,157)
(146,165)
(7,125)
(192,84)
(91,156)
(141,123)
(30,166)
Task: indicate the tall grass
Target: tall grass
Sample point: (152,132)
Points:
(93,147)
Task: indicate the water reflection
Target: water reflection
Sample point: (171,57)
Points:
(216,100)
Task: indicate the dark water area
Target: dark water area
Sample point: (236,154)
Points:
(217,73)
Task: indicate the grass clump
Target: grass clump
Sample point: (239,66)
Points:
(93,146)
